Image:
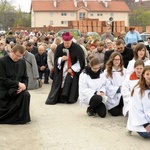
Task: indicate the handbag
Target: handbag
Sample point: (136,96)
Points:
(12,92)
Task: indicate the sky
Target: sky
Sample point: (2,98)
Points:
(24,4)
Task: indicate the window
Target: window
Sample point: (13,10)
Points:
(63,22)
(51,22)
(72,14)
(51,14)
(81,15)
(64,14)
(99,14)
(111,14)
(91,15)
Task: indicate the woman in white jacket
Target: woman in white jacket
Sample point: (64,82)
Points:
(115,74)
(128,84)
(139,53)
(92,89)
(139,112)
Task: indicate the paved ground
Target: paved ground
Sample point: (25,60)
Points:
(67,127)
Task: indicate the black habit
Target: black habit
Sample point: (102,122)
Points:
(13,110)
(69,93)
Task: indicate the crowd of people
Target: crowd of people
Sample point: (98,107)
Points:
(107,75)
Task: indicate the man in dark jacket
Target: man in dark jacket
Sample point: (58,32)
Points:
(127,53)
(31,48)
(41,59)
(10,38)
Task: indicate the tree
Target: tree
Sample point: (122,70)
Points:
(140,17)
(10,17)
(6,14)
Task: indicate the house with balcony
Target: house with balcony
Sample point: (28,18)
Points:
(59,12)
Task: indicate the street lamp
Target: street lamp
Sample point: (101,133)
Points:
(111,20)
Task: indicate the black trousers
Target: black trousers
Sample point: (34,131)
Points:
(116,111)
(97,105)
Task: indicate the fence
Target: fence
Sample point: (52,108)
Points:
(87,25)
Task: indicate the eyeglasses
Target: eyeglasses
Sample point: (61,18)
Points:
(18,56)
(120,48)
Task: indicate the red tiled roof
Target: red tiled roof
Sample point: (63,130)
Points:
(45,5)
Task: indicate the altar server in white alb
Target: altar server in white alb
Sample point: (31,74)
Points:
(115,74)
(139,53)
(139,112)
(92,89)
(128,84)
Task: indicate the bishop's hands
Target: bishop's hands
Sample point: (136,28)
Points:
(64,58)
(21,87)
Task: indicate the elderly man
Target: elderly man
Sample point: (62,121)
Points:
(14,97)
(68,63)
(107,36)
(41,59)
(50,59)
(32,70)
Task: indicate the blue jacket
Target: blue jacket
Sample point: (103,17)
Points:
(132,37)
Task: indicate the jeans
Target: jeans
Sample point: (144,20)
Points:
(46,74)
(144,134)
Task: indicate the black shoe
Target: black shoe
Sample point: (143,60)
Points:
(63,99)
(46,82)
(90,112)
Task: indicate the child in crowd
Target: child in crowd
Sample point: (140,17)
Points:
(139,112)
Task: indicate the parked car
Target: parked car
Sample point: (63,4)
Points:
(144,37)
(91,35)
(75,33)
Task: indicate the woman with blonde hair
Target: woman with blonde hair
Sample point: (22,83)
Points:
(139,112)
(115,74)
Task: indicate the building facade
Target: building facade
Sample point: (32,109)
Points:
(59,12)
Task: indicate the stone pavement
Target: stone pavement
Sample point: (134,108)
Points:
(67,127)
